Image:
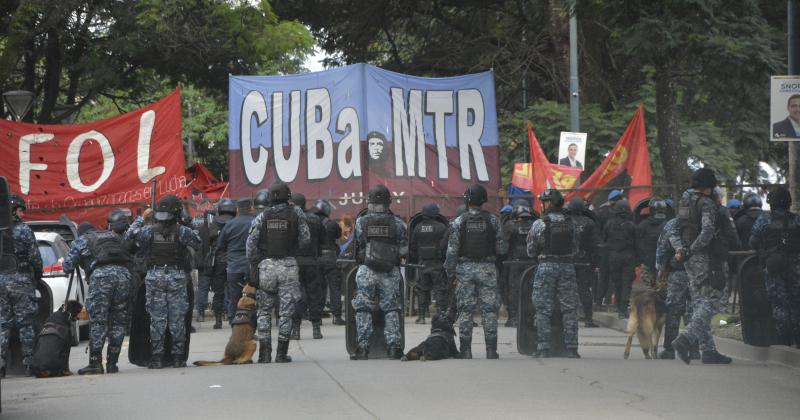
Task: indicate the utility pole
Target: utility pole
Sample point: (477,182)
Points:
(794,67)
(574,98)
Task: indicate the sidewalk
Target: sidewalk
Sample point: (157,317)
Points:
(779,354)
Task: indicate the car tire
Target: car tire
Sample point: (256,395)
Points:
(74,334)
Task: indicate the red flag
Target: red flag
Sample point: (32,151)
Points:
(541,176)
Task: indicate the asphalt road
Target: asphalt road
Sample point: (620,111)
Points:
(322,383)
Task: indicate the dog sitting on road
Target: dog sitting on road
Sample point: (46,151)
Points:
(242,345)
(647,318)
(51,353)
(440,344)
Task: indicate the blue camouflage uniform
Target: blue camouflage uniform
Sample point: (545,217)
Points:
(555,278)
(781,271)
(18,305)
(107,303)
(678,298)
(284,270)
(383,287)
(476,278)
(166,298)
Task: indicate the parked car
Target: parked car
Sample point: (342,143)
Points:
(53,293)
(64,227)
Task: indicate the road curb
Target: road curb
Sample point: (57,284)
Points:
(778,354)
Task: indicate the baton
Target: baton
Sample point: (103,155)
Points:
(353,261)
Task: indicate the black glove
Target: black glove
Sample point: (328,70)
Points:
(253,278)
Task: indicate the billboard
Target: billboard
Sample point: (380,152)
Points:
(785,108)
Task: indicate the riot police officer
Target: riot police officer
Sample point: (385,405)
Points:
(329,251)
(232,240)
(382,242)
(585,257)
(17,290)
(516,233)
(776,237)
(553,241)
(425,248)
(311,282)
(746,217)
(213,264)
(619,237)
(105,257)
(275,237)
(647,233)
(166,244)
(476,242)
(604,213)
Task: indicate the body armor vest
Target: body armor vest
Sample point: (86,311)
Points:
(279,232)
(648,241)
(478,236)
(518,241)
(428,240)
(690,220)
(782,234)
(382,253)
(618,234)
(559,237)
(315,231)
(108,248)
(165,248)
(8,252)
(216,255)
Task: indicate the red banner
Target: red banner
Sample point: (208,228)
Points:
(563,177)
(73,169)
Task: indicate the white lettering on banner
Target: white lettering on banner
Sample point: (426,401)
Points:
(286,168)
(407,133)
(347,124)
(253,105)
(25,165)
(439,104)
(318,117)
(470,103)
(146,123)
(73,161)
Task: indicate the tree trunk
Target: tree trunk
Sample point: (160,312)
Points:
(52,77)
(673,159)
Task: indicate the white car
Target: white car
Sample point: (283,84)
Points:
(53,249)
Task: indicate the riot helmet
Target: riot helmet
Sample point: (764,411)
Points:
(553,197)
(379,194)
(226,206)
(658,208)
(169,208)
(703,178)
(576,206)
(16,202)
(475,195)
(119,220)
(323,208)
(84,228)
(521,208)
(279,192)
(752,200)
(779,198)
(299,200)
(622,208)
(431,210)
(261,199)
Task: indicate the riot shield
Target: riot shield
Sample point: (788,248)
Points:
(758,327)
(412,275)
(139,350)
(526,323)
(377,346)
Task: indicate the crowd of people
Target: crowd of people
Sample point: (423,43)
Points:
(291,253)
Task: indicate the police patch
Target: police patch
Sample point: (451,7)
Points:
(476,226)
(378,231)
(277,225)
(426,229)
(522,230)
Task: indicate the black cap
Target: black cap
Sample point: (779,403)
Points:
(779,198)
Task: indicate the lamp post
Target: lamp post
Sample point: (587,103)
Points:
(19,103)
(574,92)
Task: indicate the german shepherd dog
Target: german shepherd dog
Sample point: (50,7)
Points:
(242,345)
(51,353)
(647,318)
(440,344)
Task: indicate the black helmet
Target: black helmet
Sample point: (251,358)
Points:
(704,178)
(475,195)
(752,200)
(521,207)
(658,208)
(430,210)
(576,205)
(779,198)
(379,194)
(299,200)
(15,201)
(169,208)
(84,228)
(261,200)
(119,220)
(279,192)
(554,197)
(622,207)
(226,206)
(323,207)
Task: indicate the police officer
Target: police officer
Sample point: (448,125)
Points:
(275,236)
(329,251)
(647,234)
(776,237)
(232,240)
(166,245)
(516,231)
(553,241)
(213,265)
(18,290)
(604,213)
(693,241)
(585,257)
(382,242)
(619,236)
(311,282)
(745,218)
(105,257)
(425,247)
(476,242)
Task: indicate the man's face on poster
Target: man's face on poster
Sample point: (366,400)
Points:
(572,151)
(375,148)
(794,109)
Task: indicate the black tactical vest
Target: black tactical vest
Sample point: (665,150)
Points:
(165,249)
(559,237)
(219,256)
(518,241)
(315,231)
(782,234)
(382,253)
(108,248)
(428,239)
(648,240)
(478,237)
(690,219)
(279,232)
(8,251)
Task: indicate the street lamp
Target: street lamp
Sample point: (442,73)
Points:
(18,102)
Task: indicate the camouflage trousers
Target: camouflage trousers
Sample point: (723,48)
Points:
(377,290)
(18,309)
(678,305)
(556,281)
(705,301)
(476,285)
(107,304)
(279,285)
(167,302)
(783,292)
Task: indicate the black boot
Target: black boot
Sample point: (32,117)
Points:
(217,320)
(421,317)
(572,353)
(280,355)
(201,316)
(178,361)
(541,354)
(491,349)
(668,353)
(395,353)
(590,323)
(682,347)
(156,362)
(95,365)
(512,320)
(362,353)
(713,357)
(465,349)
(295,334)
(264,352)
(316,326)
(337,320)
(694,353)
(112,357)
(29,370)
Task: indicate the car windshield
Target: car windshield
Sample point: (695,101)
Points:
(49,256)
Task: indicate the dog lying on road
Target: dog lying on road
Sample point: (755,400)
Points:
(647,319)
(440,344)
(241,346)
(51,353)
